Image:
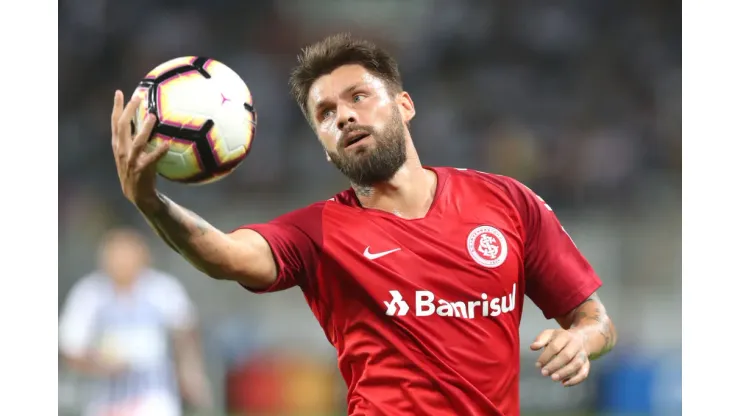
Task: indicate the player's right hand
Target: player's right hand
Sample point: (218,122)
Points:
(136,167)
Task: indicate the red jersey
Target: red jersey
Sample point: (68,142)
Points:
(425,313)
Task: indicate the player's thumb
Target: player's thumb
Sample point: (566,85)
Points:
(542,339)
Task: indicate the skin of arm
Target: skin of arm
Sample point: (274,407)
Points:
(242,256)
(91,365)
(587,333)
(591,320)
(190,367)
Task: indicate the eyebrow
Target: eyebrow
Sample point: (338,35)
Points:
(349,90)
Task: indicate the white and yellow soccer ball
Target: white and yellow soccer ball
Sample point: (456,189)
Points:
(205,111)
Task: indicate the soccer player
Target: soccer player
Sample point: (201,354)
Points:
(118,325)
(416,274)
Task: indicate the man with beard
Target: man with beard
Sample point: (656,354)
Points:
(416,274)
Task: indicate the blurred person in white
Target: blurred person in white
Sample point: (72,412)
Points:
(133,329)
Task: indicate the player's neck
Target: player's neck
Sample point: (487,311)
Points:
(409,194)
(122,285)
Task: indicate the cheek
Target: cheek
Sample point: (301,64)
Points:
(380,111)
(383,117)
(384,99)
(329,135)
(328,140)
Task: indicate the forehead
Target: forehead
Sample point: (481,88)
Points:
(340,80)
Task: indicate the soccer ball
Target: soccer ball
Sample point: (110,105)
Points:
(205,111)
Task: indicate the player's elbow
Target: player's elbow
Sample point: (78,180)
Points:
(226,259)
(225,270)
(246,262)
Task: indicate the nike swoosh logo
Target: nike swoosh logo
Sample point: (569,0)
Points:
(375,256)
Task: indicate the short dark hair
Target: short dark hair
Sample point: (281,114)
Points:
(330,53)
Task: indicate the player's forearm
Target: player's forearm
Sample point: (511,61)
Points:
(591,320)
(200,243)
(87,365)
(191,372)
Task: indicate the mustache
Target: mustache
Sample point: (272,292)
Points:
(351,132)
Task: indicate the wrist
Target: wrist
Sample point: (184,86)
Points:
(581,334)
(592,340)
(150,204)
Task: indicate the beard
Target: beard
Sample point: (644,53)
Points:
(367,166)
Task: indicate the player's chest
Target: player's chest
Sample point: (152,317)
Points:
(472,251)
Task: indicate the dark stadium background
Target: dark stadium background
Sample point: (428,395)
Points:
(579,99)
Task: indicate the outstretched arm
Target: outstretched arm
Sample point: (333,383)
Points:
(243,256)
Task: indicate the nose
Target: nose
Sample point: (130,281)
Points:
(345,116)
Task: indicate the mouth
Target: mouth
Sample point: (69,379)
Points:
(355,138)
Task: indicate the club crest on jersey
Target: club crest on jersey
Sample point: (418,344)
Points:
(487,246)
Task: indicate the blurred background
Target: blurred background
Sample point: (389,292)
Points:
(578,99)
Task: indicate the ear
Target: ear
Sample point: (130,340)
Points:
(406,105)
(328,159)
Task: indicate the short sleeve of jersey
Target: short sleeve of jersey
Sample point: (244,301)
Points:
(295,242)
(173,300)
(77,319)
(558,276)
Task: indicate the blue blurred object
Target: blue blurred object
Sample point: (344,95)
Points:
(640,383)
(667,389)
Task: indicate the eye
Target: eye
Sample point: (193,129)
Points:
(358,97)
(326,114)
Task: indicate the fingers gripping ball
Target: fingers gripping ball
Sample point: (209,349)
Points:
(204,110)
